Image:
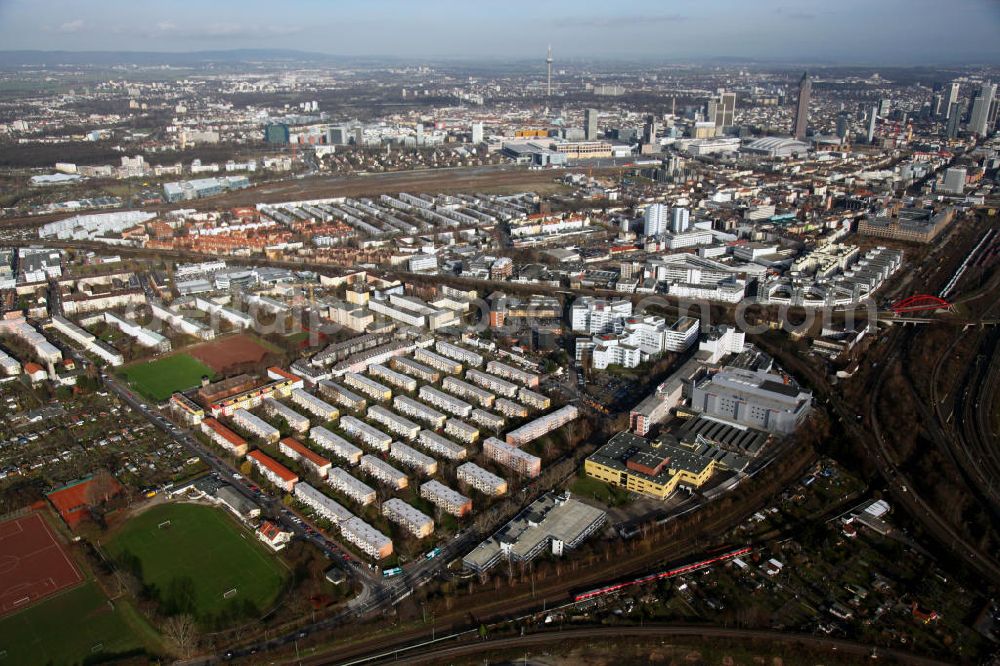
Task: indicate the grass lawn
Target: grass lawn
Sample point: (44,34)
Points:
(586,486)
(158,379)
(199,557)
(70,627)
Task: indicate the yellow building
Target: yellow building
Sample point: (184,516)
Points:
(653,469)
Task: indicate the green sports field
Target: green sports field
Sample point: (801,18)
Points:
(72,627)
(158,379)
(195,560)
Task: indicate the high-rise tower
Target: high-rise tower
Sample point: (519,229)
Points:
(548,64)
(802,108)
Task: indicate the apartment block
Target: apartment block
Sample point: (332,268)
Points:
(437,361)
(384,472)
(415,369)
(255,425)
(482,480)
(367,538)
(275,409)
(441,446)
(510,409)
(414,521)
(371,436)
(341,395)
(460,354)
(487,420)
(315,406)
(419,411)
(461,431)
(273,471)
(393,422)
(462,389)
(369,387)
(323,506)
(492,383)
(413,458)
(336,444)
(448,403)
(350,487)
(542,425)
(533,399)
(392,377)
(510,456)
(305,456)
(518,375)
(224,437)
(446,499)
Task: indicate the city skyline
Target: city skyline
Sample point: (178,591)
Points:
(811,31)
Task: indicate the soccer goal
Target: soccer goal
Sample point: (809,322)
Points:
(164,525)
(229,594)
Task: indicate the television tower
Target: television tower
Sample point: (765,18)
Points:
(548,63)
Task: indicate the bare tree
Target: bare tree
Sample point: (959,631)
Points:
(182,634)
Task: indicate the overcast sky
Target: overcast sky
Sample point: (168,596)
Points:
(849,31)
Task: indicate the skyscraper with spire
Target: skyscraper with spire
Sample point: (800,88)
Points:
(802,108)
(548,64)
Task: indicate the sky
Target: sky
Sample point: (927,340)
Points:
(837,31)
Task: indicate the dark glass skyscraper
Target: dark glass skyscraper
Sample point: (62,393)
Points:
(802,108)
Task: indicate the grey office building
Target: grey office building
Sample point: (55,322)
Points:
(590,124)
(802,108)
(752,398)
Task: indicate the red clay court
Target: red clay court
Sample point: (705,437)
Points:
(33,564)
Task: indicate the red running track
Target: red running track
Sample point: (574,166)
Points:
(33,564)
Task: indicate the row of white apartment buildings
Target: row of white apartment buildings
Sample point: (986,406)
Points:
(337,445)
(87,341)
(487,420)
(19,328)
(179,322)
(240,320)
(354,530)
(437,361)
(542,425)
(597,315)
(461,431)
(143,336)
(641,339)
(341,395)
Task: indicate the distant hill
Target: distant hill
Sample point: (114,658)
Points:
(154,58)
